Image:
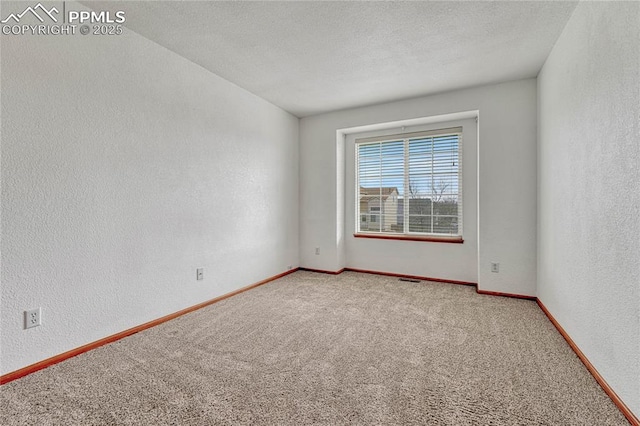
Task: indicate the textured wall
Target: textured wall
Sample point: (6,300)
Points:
(125,167)
(589,189)
(506,185)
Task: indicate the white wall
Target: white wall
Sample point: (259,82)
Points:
(589,189)
(506,179)
(125,167)
(454,261)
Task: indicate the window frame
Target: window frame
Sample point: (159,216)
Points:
(405,234)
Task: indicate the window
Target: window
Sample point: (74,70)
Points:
(410,185)
(374,212)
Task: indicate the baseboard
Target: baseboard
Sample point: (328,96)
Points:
(109,339)
(626,411)
(414,277)
(323,271)
(443,280)
(499,293)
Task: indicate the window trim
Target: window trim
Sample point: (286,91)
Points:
(410,236)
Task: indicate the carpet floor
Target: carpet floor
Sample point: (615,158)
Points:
(321,349)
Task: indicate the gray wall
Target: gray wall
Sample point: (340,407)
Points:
(506,190)
(589,189)
(124,168)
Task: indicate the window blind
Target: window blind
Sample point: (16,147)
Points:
(410,183)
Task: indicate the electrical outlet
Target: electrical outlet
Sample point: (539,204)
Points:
(317,250)
(495,267)
(33,318)
(200,274)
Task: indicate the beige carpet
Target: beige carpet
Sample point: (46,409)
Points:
(314,348)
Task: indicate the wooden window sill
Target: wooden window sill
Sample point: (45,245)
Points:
(429,238)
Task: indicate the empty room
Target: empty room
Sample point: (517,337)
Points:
(313,212)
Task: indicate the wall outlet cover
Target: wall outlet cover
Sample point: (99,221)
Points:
(32,318)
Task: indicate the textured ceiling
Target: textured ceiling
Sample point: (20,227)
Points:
(311,57)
